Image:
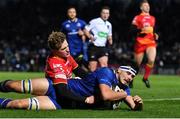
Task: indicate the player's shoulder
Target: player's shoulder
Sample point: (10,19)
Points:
(106,70)
(95,20)
(54,59)
(70,58)
(80,20)
(139,16)
(65,22)
(109,23)
(152,16)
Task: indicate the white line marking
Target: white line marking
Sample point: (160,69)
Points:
(161,99)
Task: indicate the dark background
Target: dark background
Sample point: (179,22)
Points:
(25,25)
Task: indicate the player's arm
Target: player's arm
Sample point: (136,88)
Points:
(88,35)
(134,30)
(81,31)
(109,38)
(78,71)
(110,95)
(110,41)
(60,84)
(155,31)
(87,30)
(134,102)
(156,35)
(63,92)
(82,35)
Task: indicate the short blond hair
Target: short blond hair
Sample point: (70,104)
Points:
(55,40)
(143,1)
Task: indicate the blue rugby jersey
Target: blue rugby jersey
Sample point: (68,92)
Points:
(70,28)
(90,84)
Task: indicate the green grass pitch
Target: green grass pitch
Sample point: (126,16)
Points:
(162,100)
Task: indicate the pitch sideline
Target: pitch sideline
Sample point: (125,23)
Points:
(161,99)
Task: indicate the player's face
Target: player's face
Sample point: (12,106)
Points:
(125,77)
(64,50)
(105,14)
(71,13)
(145,7)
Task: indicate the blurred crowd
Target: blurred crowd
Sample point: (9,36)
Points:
(26,24)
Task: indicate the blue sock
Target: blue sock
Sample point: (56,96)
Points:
(3,87)
(4,102)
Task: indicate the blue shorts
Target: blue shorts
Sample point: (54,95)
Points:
(51,94)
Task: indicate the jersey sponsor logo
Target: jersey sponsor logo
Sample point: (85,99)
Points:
(62,76)
(73,33)
(108,26)
(57,65)
(146,24)
(78,24)
(102,34)
(67,25)
(147,17)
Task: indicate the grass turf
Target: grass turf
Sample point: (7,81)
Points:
(163,88)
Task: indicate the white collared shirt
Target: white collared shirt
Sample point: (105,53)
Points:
(100,29)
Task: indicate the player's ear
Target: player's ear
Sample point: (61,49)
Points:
(119,71)
(140,7)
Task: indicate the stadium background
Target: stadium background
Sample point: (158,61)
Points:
(25,25)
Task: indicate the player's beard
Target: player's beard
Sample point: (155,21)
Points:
(72,18)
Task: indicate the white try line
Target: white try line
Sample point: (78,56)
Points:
(161,99)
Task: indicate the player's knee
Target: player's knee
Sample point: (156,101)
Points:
(26,86)
(33,104)
(151,63)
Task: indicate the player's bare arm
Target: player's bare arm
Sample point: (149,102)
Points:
(134,102)
(89,36)
(110,40)
(110,95)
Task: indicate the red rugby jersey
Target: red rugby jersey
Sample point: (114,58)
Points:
(144,20)
(59,69)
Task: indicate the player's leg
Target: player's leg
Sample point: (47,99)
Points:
(103,56)
(35,103)
(138,58)
(92,55)
(151,55)
(103,61)
(38,86)
(92,64)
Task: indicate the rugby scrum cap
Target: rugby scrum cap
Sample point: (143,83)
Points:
(128,69)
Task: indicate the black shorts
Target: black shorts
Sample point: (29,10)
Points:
(94,52)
